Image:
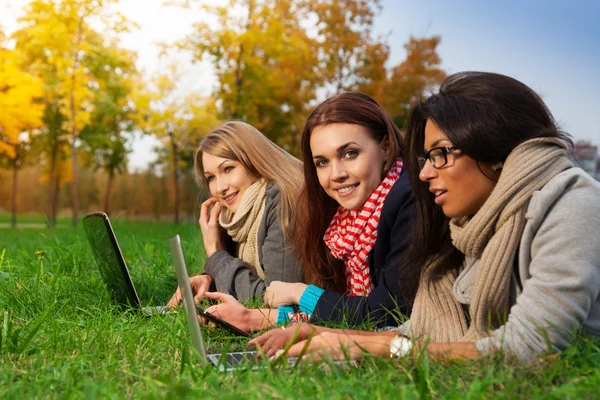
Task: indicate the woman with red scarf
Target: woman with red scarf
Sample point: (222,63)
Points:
(353,223)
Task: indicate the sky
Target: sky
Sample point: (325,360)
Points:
(552,46)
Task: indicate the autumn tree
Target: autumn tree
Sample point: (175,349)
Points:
(413,79)
(264,60)
(57,36)
(20,114)
(272,56)
(114,115)
(348,54)
(178,120)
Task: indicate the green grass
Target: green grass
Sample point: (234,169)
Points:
(61,337)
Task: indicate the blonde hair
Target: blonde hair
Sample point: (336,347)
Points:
(239,141)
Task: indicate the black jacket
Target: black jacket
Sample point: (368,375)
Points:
(385,301)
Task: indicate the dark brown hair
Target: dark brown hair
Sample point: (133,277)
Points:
(316,208)
(486,116)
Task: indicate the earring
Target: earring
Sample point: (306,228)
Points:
(497,167)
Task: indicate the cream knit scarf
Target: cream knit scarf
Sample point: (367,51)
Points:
(243,225)
(491,235)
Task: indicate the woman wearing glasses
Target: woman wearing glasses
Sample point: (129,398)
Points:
(353,223)
(506,230)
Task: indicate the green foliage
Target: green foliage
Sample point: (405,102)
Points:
(265,62)
(63,338)
(113,115)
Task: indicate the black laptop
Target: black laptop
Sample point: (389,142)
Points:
(115,273)
(111,263)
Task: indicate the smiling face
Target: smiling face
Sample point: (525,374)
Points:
(227,180)
(460,187)
(348,161)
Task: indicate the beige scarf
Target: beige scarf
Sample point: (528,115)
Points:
(243,225)
(491,235)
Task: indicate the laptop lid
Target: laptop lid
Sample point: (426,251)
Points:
(109,259)
(188,301)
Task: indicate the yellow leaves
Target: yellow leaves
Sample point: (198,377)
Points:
(418,74)
(168,111)
(78,92)
(19,110)
(264,60)
(349,57)
(57,40)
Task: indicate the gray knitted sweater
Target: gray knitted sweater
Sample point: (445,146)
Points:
(233,276)
(556,280)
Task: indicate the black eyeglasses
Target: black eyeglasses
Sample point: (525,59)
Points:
(438,156)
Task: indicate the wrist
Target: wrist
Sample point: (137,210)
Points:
(210,250)
(249,320)
(297,292)
(256,319)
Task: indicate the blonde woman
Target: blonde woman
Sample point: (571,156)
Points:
(247,221)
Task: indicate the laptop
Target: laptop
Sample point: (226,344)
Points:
(111,263)
(115,273)
(225,361)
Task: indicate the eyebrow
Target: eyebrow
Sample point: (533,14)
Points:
(218,167)
(434,144)
(340,150)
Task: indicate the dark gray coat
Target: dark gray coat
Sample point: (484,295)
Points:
(233,276)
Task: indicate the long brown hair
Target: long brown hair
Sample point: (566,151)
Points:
(316,208)
(239,141)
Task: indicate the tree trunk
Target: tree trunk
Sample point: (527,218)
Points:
(13,222)
(175,175)
(74,194)
(51,192)
(111,175)
(55,202)
(239,83)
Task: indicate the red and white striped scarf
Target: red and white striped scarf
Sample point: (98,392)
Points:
(351,234)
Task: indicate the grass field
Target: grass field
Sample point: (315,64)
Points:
(60,337)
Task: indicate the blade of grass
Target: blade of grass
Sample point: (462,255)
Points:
(37,324)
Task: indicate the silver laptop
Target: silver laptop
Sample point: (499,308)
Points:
(225,361)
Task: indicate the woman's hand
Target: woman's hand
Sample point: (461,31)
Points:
(230,310)
(341,346)
(275,339)
(209,225)
(200,284)
(283,293)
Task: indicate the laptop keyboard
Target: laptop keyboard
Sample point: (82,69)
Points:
(233,359)
(243,358)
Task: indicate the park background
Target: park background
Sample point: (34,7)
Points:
(103,102)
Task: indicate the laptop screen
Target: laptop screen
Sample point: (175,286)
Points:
(109,259)
(188,300)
